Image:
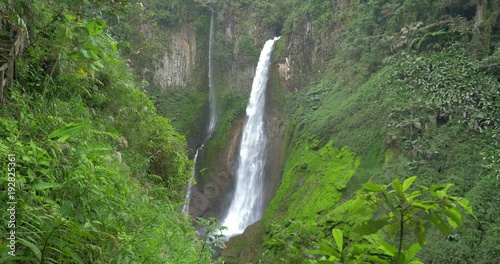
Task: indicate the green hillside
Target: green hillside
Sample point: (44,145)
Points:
(97,175)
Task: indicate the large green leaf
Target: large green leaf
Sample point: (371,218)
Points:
(358,206)
(94,149)
(388,249)
(412,252)
(379,213)
(439,223)
(69,16)
(423,206)
(46,185)
(95,27)
(413,195)
(66,208)
(85,53)
(396,185)
(373,187)
(419,230)
(326,247)
(32,247)
(371,226)
(375,259)
(464,203)
(407,183)
(454,216)
(439,190)
(339,239)
(65,132)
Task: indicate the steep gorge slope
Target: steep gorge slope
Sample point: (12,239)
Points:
(236,51)
(382,90)
(361,90)
(95,174)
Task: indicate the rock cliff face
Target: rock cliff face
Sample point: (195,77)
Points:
(237,47)
(210,198)
(178,62)
(275,133)
(295,70)
(297,59)
(238,41)
(306,52)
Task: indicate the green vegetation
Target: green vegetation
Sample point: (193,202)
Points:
(375,90)
(383,224)
(301,196)
(396,211)
(231,107)
(99,175)
(213,233)
(406,88)
(183,105)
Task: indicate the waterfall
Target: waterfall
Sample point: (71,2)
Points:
(211,88)
(213,113)
(246,207)
(185,207)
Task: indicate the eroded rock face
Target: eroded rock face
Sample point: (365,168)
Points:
(235,70)
(251,238)
(307,51)
(213,199)
(299,58)
(179,61)
(210,200)
(275,134)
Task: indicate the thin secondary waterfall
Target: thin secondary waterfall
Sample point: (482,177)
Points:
(211,88)
(185,207)
(213,113)
(246,207)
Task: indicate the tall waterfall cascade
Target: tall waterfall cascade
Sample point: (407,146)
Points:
(213,112)
(247,204)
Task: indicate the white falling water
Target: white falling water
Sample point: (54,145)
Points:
(211,88)
(213,113)
(246,207)
(185,207)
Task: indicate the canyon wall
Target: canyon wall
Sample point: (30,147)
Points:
(179,61)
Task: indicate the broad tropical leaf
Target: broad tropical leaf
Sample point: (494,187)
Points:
(407,183)
(371,226)
(65,132)
(339,239)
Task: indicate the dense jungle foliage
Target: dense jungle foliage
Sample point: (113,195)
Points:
(98,175)
(390,89)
